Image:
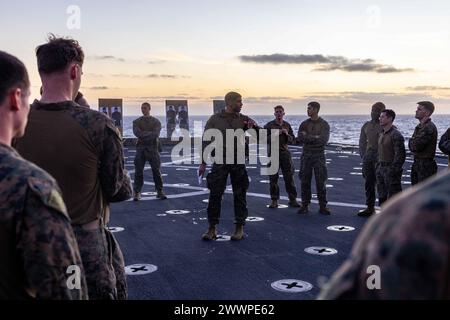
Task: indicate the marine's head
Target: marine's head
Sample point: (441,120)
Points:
(313,109)
(424,109)
(377,108)
(60,64)
(233,101)
(14,95)
(387,117)
(279,112)
(145,108)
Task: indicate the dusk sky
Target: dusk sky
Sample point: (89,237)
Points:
(346,55)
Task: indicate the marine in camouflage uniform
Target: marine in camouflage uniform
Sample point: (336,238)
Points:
(423,144)
(147,130)
(444,143)
(285,160)
(368,150)
(409,241)
(82,149)
(86,158)
(38,249)
(313,134)
(37,244)
(229,119)
(391,157)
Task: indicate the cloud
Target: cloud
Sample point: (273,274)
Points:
(99,88)
(325,63)
(427,88)
(151,76)
(103,58)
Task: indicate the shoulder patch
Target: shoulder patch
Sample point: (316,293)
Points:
(48,194)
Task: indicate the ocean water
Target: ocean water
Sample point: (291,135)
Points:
(343,129)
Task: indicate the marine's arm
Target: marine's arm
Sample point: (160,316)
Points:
(421,138)
(47,247)
(362,142)
(399,151)
(115,181)
(444,142)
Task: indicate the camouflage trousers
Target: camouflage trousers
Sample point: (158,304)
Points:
(422,169)
(287,168)
(103,264)
(313,161)
(217,182)
(369,172)
(388,181)
(144,154)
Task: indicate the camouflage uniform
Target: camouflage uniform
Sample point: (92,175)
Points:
(410,243)
(217,178)
(313,158)
(444,143)
(37,244)
(82,149)
(423,145)
(368,150)
(285,161)
(392,154)
(147,130)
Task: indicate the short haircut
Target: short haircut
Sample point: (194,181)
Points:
(278,107)
(389,113)
(57,54)
(427,105)
(146,104)
(13,75)
(378,106)
(314,104)
(231,96)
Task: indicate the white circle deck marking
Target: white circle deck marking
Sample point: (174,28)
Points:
(140,269)
(406,182)
(342,156)
(161,215)
(357,168)
(280,206)
(177,211)
(164,174)
(181,184)
(149,193)
(335,179)
(223,237)
(340,228)
(205,200)
(264,181)
(329,186)
(251,167)
(321,251)
(291,285)
(181,169)
(356,173)
(254,219)
(116,229)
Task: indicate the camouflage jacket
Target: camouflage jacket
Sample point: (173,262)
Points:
(313,135)
(424,140)
(82,150)
(284,140)
(403,252)
(37,244)
(147,130)
(444,142)
(368,139)
(222,122)
(391,148)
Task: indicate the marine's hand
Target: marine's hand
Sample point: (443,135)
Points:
(201,170)
(284,131)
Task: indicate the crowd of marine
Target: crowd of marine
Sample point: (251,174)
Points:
(62,164)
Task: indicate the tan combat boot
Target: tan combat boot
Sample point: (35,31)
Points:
(137,196)
(211,234)
(238,233)
(273,204)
